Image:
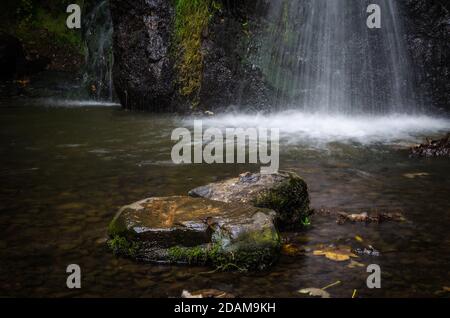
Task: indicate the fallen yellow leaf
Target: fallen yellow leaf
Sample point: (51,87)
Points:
(355,264)
(338,254)
(359,238)
(332,285)
(290,250)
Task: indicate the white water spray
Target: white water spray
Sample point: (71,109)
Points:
(321,56)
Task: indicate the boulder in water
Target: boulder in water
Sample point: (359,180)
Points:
(284,192)
(196,231)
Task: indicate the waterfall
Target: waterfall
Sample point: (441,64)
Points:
(320,56)
(98,30)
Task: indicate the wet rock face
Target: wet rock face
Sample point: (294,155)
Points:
(228,79)
(428,33)
(196,231)
(146,76)
(285,193)
(143,68)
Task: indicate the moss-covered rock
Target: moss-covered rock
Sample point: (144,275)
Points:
(186,230)
(191,20)
(285,193)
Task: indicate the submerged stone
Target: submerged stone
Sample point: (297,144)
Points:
(196,231)
(284,192)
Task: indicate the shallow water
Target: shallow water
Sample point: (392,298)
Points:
(66,170)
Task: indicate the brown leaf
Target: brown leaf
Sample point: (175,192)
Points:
(290,250)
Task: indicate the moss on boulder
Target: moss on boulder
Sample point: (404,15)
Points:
(284,192)
(196,231)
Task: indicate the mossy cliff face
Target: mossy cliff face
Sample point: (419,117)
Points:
(184,54)
(196,231)
(285,193)
(192,18)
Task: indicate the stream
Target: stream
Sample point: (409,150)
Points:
(67,168)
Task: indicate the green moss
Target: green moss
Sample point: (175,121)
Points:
(214,255)
(191,19)
(190,255)
(290,200)
(121,246)
(33,17)
(117,226)
(251,253)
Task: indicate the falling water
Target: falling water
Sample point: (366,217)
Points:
(320,56)
(98,30)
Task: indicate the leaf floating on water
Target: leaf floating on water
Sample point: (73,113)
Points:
(373,217)
(332,285)
(187,294)
(319,292)
(290,250)
(315,292)
(361,217)
(206,293)
(359,238)
(416,175)
(337,254)
(443,291)
(354,293)
(355,264)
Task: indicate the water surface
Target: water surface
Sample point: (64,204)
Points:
(66,170)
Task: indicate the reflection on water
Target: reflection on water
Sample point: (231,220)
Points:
(65,171)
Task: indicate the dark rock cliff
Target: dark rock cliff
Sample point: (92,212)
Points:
(229,78)
(428,32)
(143,68)
(147,55)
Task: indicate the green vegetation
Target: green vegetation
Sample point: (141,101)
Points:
(42,24)
(255,251)
(191,20)
(121,246)
(223,259)
(290,200)
(191,255)
(117,227)
(306,221)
